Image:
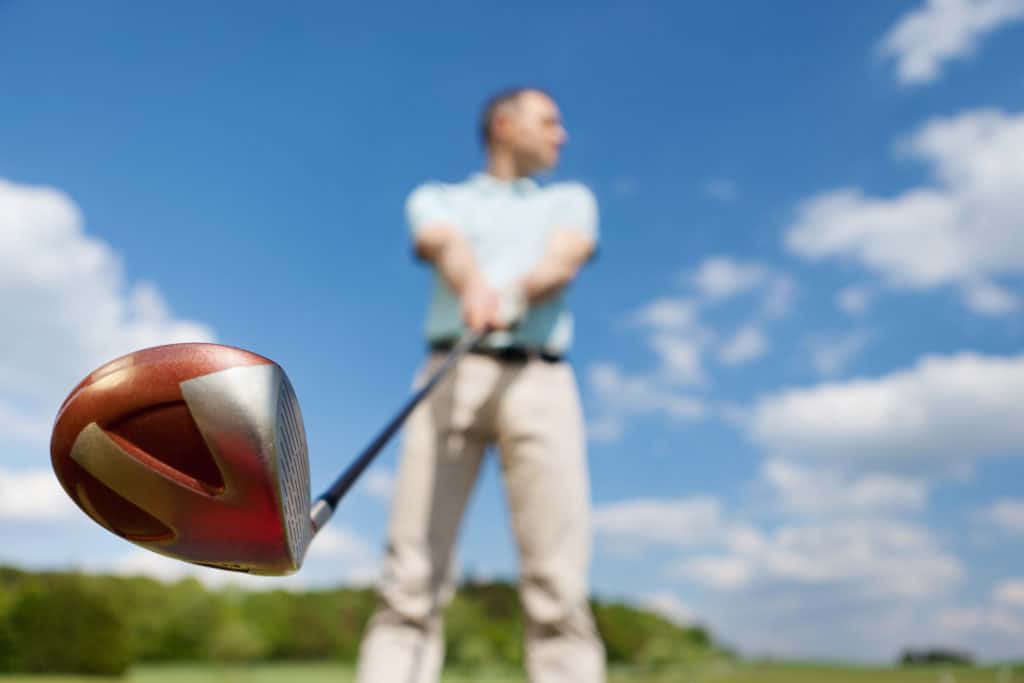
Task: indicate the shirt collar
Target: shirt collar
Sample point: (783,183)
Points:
(517,186)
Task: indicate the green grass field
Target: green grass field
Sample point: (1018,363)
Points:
(718,673)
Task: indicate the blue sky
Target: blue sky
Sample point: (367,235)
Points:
(799,349)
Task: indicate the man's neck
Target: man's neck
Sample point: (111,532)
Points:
(503,167)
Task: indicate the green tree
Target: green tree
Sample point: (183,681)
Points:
(63,627)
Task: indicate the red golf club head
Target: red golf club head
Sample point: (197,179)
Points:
(194,451)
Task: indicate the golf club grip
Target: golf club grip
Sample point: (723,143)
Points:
(324,506)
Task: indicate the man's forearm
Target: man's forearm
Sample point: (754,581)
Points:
(453,257)
(566,254)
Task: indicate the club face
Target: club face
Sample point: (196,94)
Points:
(252,516)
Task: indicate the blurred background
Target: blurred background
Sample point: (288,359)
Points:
(800,348)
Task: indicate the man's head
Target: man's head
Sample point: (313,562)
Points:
(524,126)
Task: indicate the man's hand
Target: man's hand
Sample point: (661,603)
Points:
(512,306)
(481,305)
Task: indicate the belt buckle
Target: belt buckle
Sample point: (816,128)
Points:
(513,354)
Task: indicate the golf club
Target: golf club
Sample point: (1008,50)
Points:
(198,452)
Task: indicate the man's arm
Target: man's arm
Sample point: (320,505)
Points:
(566,253)
(446,248)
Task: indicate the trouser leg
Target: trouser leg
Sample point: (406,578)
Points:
(540,431)
(442,450)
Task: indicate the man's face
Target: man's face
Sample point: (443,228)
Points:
(532,129)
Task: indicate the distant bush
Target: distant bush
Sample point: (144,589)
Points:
(65,628)
(917,657)
(640,638)
(61,622)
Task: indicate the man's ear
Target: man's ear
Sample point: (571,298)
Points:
(501,122)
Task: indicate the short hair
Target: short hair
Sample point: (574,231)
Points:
(496,102)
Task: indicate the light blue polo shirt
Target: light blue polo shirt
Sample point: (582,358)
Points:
(507,224)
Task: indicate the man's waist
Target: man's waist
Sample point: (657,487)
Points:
(514,353)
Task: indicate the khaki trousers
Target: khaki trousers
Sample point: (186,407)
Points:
(532,412)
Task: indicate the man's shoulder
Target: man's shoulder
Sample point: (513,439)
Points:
(441,186)
(569,189)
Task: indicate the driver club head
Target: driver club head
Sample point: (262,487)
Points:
(193,451)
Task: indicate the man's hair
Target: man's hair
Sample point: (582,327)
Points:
(498,101)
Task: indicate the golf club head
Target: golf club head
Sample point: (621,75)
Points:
(193,451)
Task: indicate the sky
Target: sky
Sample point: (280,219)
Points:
(799,350)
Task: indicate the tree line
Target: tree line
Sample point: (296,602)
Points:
(96,624)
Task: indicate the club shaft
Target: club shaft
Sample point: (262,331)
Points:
(324,506)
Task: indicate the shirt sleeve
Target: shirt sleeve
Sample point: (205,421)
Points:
(576,209)
(427,205)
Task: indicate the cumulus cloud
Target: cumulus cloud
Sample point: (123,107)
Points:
(669,606)
(831,354)
(379,483)
(621,396)
(749,343)
(939,31)
(720,278)
(986,623)
(827,491)
(677,331)
(668,314)
(1009,593)
(19,425)
(66,305)
(652,521)
(962,231)
(870,558)
(1007,514)
(33,496)
(337,555)
(945,409)
(854,300)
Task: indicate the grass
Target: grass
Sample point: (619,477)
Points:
(745,672)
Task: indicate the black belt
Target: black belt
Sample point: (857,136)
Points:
(510,354)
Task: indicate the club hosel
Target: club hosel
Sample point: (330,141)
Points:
(320,513)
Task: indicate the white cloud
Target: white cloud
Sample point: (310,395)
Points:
(25,427)
(33,495)
(337,555)
(680,358)
(831,355)
(1008,514)
(669,606)
(668,314)
(605,428)
(779,296)
(855,300)
(819,491)
(962,231)
(943,30)
(346,555)
(726,573)
(869,557)
(652,521)
(988,298)
(747,344)
(624,395)
(988,621)
(945,409)
(720,278)
(1009,593)
(675,329)
(379,483)
(721,189)
(65,293)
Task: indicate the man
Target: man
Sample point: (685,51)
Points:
(504,249)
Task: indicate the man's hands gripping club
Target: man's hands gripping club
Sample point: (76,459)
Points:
(483,305)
